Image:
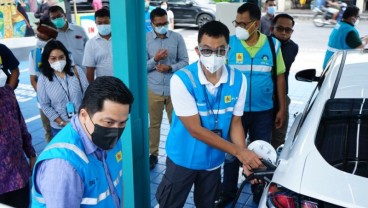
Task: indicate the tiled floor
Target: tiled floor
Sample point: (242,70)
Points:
(299,92)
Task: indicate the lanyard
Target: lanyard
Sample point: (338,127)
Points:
(67,87)
(217,98)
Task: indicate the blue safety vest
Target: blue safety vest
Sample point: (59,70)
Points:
(148,18)
(181,147)
(68,145)
(258,71)
(36,55)
(337,40)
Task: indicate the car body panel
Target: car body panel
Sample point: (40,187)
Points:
(301,167)
(188,11)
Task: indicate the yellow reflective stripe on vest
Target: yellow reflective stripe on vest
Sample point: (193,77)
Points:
(103,195)
(259,68)
(71,147)
(190,75)
(220,111)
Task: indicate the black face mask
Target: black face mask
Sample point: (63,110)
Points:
(104,137)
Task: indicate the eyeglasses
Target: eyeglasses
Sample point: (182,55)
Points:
(161,25)
(282,29)
(207,52)
(241,24)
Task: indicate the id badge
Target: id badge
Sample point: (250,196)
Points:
(70,111)
(218,132)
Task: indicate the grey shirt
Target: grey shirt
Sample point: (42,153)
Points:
(266,22)
(158,82)
(98,54)
(74,39)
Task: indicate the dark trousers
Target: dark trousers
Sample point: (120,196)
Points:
(19,198)
(259,127)
(178,181)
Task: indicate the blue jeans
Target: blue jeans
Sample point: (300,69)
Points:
(259,126)
(54,131)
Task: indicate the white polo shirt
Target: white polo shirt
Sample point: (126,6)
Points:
(185,105)
(98,54)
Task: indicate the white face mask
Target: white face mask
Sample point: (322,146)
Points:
(212,63)
(356,22)
(3,78)
(58,65)
(41,43)
(241,33)
(164,7)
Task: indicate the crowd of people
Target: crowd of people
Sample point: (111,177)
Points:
(235,93)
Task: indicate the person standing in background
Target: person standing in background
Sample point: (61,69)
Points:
(148,9)
(97,5)
(45,32)
(9,65)
(60,87)
(282,29)
(266,20)
(98,52)
(72,36)
(166,53)
(15,146)
(170,14)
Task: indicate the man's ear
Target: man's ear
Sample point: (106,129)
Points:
(83,115)
(197,50)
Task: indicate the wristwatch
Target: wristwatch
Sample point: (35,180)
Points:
(61,123)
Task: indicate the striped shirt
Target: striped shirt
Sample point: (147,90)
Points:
(54,95)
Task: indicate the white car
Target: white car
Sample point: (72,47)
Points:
(324,162)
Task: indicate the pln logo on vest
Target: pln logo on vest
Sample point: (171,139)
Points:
(239,58)
(119,156)
(228,99)
(266,60)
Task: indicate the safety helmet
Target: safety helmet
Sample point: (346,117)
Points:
(264,150)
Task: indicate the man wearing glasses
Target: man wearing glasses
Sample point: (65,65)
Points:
(166,53)
(251,53)
(208,99)
(282,29)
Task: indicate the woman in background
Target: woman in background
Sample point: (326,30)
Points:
(60,87)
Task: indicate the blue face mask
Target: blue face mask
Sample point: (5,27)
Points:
(271,10)
(162,30)
(59,22)
(104,30)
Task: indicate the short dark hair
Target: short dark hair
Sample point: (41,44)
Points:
(164,1)
(104,12)
(45,67)
(56,8)
(158,12)
(283,15)
(214,29)
(269,0)
(351,11)
(105,88)
(252,9)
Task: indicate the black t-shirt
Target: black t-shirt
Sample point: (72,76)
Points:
(8,62)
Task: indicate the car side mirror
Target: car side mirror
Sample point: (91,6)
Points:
(307,75)
(189,3)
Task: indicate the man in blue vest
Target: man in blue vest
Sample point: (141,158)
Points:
(252,53)
(45,32)
(147,14)
(208,100)
(82,165)
(344,35)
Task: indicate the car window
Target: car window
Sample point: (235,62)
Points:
(342,136)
